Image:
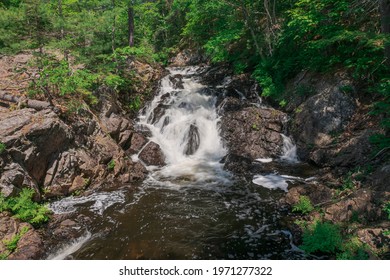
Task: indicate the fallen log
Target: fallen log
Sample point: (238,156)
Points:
(25,102)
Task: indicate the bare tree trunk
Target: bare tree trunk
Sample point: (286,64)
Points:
(251,30)
(384,6)
(270,9)
(113,28)
(62,32)
(130,15)
(29,103)
(62,28)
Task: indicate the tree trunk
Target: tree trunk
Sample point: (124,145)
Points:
(384,6)
(130,15)
(113,30)
(251,30)
(29,103)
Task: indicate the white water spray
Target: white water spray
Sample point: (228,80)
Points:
(184,122)
(289,150)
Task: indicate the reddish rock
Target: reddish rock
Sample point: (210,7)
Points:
(252,132)
(137,142)
(29,246)
(152,155)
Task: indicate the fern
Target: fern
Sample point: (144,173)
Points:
(324,237)
(24,208)
(304,205)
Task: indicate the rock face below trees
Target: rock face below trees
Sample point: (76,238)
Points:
(58,155)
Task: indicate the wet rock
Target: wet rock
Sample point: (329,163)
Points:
(241,87)
(158,113)
(193,140)
(237,164)
(137,173)
(125,139)
(253,132)
(137,142)
(64,227)
(152,155)
(215,75)
(177,81)
(29,246)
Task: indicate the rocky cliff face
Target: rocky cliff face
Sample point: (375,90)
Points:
(58,156)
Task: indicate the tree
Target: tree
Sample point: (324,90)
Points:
(384,6)
(130,18)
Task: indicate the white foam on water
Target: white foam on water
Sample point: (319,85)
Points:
(274,181)
(289,150)
(101,201)
(70,248)
(264,160)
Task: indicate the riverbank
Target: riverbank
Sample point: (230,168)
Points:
(89,154)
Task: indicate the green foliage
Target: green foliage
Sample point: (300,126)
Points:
(386,208)
(135,103)
(353,249)
(3,147)
(304,205)
(57,78)
(323,237)
(114,81)
(24,208)
(111,165)
(382,108)
(12,244)
(348,183)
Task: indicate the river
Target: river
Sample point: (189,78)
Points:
(191,208)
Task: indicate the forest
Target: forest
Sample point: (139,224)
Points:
(84,50)
(273,40)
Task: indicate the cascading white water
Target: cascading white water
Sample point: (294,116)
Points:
(289,150)
(184,122)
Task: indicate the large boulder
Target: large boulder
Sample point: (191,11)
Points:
(252,132)
(322,115)
(152,155)
(32,138)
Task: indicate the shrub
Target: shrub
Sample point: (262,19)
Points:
(353,249)
(304,205)
(24,208)
(387,209)
(111,165)
(348,183)
(2,148)
(324,237)
(12,244)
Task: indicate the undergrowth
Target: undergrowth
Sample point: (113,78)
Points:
(24,208)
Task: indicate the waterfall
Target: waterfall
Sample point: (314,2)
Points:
(289,150)
(184,123)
